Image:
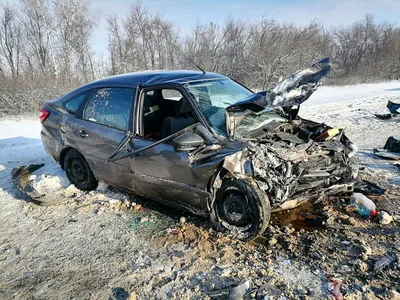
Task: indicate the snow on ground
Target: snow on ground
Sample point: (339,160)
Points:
(358,119)
(20,144)
(352,108)
(349,93)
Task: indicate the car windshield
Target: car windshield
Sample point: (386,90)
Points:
(213,96)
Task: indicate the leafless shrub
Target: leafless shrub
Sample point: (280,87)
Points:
(24,97)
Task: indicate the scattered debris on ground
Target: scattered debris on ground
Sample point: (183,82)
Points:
(391,150)
(394,109)
(318,250)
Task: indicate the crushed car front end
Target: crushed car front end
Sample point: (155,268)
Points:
(292,159)
(300,160)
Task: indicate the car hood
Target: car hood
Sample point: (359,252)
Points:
(292,91)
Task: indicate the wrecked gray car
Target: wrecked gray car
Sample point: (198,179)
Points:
(202,142)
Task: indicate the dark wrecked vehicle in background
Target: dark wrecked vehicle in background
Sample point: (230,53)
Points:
(201,142)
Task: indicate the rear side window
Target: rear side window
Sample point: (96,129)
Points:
(73,104)
(171,94)
(110,107)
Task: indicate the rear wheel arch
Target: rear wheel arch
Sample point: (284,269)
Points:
(78,170)
(62,156)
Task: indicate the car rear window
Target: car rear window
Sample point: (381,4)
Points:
(110,107)
(73,104)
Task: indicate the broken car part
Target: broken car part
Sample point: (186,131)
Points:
(20,176)
(383,262)
(394,109)
(386,154)
(368,188)
(239,292)
(392,145)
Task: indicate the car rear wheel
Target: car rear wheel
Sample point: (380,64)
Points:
(241,209)
(78,171)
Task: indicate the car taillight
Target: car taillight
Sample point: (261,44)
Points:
(43,114)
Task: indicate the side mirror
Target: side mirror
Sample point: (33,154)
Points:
(187,142)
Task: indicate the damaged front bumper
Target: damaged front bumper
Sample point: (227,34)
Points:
(291,174)
(332,190)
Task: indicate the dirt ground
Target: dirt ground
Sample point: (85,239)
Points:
(88,248)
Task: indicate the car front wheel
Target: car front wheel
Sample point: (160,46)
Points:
(241,209)
(78,171)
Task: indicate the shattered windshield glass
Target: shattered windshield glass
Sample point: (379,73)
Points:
(213,96)
(255,122)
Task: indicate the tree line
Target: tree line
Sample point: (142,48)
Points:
(45,49)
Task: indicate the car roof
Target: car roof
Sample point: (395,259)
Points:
(152,77)
(132,80)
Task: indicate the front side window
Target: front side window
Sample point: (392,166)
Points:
(213,96)
(110,107)
(164,112)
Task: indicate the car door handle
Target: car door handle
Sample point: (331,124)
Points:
(83,133)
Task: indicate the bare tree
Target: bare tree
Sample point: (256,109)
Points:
(141,41)
(116,46)
(392,58)
(362,49)
(205,44)
(38,29)
(10,38)
(352,43)
(74,26)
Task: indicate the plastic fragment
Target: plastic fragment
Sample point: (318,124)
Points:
(287,262)
(239,291)
(392,145)
(368,188)
(383,262)
(234,293)
(385,218)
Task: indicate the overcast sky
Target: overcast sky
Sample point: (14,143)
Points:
(185,13)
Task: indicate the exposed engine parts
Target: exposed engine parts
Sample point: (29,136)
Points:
(300,159)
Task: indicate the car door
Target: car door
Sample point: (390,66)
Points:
(162,173)
(104,122)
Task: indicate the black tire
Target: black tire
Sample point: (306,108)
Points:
(79,172)
(241,209)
